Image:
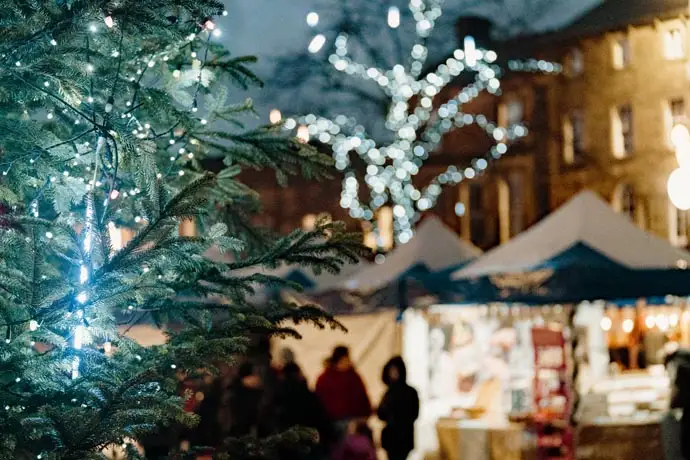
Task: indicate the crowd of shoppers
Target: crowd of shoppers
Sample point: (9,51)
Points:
(253,399)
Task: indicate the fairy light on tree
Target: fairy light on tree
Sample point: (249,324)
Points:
(415,122)
(110,112)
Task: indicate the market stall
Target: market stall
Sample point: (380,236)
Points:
(404,276)
(434,247)
(581,264)
(474,367)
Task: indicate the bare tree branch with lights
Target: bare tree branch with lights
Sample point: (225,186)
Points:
(404,90)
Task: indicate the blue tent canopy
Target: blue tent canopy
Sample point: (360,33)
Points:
(583,251)
(573,285)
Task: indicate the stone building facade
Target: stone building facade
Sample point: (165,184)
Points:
(626,82)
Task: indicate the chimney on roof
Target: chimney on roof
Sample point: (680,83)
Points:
(475,27)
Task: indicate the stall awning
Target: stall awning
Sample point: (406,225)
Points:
(583,251)
(434,248)
(583,232)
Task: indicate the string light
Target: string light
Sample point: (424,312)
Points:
(417,130)
(393,17)
(317,43)
(312,19)
(275,116)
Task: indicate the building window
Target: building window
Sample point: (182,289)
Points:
(573,137)
(624,201)
(510,113)
(503,192)
(188,228)
(621,53)
(575,62)
(309,222)
(679,226)
(119,236)
(674,43)
(674,115)
(622,129)
(516,182)
(477,216)
(384,224)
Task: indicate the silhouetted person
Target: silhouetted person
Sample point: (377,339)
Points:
(399,409)
(341,390)
(296,405)
(246,395)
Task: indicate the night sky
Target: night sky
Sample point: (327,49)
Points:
(269,28)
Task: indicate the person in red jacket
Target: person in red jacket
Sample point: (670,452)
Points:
(341,390)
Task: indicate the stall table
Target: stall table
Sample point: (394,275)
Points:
(620,440)
(483,440)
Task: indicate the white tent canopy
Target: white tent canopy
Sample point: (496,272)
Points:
(585,219)
(434,245)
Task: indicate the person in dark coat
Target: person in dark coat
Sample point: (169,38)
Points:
(399,409)
(295,405)
(246,394)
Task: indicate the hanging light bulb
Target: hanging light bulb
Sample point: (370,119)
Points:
(606,323)
(470,50)
(628,325)
(393,17)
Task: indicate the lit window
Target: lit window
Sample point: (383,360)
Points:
(573,137)
(503,190)
(576,62)
(679,226)
(622,131)
(674,44)
(384,222)
(621,53)
(187,228)
(510,113)
(624,201)
(119,236)
(675,115)
(309,222)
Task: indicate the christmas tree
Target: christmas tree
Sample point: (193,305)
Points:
(110,110)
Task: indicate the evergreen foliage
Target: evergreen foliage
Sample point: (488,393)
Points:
(108,110)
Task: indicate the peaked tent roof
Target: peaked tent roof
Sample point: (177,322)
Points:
(434,247)
(584,222)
